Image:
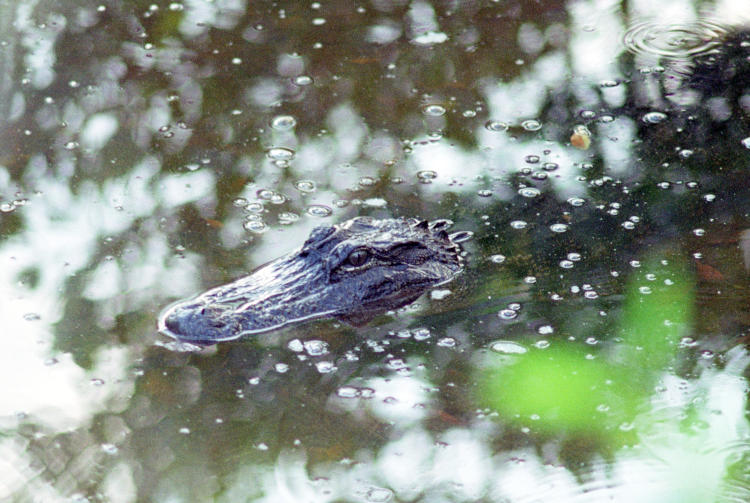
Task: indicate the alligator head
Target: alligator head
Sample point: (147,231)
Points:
(352,271)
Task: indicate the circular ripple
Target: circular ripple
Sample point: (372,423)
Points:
(677,41)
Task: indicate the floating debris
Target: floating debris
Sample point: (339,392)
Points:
(581,137)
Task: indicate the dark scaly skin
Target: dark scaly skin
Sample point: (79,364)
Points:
(352,271)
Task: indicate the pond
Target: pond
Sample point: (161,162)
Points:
(592,347)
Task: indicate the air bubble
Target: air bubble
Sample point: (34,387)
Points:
(277,198)
(497,126)
(110,449)
(426,176)
(587,114)
(421,334)
(654,117)
(325,367)
(303,80)
(576,201)
(378,495)
(315,347)
(319,210)
(255,207)
(529,192)
(280,154)
(434,110)
(545,330)
(347,392)
(256,226)
(283,122)
(403,334)
(287,218)
(507,348)
(281,367)
(497,259)
(305,186)
(447,342)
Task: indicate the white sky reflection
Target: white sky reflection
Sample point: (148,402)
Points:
(63,229)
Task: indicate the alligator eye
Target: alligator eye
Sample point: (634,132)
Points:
(358,258)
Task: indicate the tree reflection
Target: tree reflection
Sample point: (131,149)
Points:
(159,119)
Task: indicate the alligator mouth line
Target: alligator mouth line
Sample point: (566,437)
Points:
(352,271)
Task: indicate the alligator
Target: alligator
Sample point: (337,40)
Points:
(352,272)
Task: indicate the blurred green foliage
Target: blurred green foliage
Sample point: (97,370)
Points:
(573,387)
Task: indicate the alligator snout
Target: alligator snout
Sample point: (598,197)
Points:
(199,323)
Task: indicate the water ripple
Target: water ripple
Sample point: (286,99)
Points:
(678,41)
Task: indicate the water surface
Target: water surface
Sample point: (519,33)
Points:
(592,350)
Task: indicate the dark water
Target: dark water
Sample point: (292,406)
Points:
(592,350)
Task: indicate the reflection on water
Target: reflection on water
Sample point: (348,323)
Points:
(592,350)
